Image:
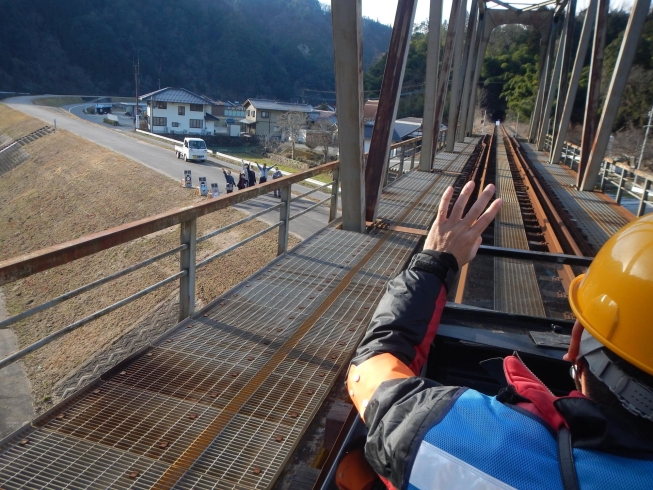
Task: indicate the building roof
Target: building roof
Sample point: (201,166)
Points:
(179,95)
(369,109)
(210,117)
(317,115)
(405,128)
(369,129)
(272,105)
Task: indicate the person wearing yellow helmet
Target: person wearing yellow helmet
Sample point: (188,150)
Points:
(612,341)
(422,435)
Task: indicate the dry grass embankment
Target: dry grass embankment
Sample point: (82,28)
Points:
(14,124)
(69,188)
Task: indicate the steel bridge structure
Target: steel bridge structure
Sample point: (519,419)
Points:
(232,395)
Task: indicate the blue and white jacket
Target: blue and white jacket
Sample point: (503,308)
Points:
(425,436)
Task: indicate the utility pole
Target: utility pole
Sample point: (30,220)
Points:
(648,126)
(136,70)
(641,154)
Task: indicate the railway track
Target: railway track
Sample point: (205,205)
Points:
(529,220)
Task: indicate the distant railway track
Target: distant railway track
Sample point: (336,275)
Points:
(529,220)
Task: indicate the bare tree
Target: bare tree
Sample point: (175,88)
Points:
(323,135)
(270,144)
(291,124)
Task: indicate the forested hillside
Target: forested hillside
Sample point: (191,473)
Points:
(509,81)
(222,48)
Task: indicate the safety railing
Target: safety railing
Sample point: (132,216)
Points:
(405,150)
(636,183)
(24,266)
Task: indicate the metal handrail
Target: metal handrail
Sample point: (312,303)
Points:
(48,258)
(570,153)
(74,326)
(88,287)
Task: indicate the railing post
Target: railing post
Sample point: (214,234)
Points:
(284,217)
(335,187)
(412,157)
(603,175)
(621,184)
(401,161)
(642,201)
(187,262)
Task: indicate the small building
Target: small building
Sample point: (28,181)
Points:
(229,115)
(261,116)
(180,111)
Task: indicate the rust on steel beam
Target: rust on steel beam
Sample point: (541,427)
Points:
(388,103)
(64,253)
(624,61)
(443,81)
(563,86)
(430,84)
(591,120)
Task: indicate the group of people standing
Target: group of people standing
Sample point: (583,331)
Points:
(247,177)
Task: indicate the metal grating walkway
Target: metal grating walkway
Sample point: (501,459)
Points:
(597,218)
(222,400)
(515,282)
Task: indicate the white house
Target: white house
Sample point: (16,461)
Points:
(177,110)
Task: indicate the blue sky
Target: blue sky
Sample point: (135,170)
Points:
(384,10)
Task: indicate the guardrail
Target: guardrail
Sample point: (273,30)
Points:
(42,260)
(409,149)
(570,157)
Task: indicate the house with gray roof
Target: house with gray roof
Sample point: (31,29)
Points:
(180,111)
(261,115)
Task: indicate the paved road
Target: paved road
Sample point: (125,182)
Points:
(15,394)
(164,161)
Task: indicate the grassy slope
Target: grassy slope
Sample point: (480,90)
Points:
(69,188)
(58,101)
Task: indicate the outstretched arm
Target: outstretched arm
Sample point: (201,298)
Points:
(405,323)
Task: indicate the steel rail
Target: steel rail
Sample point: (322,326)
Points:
(88,287)
(558,223)
(237,245)
(235,224)
(74,326)
(514,253)
(309,208)
(48,258)
(484,158)
(539,208)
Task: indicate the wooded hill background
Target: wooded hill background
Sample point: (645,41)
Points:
(508,80)
(226,49)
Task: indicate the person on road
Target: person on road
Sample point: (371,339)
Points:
(242,181)
(251,176)
(422,435)
(277,175)
(263,173)
(230,181)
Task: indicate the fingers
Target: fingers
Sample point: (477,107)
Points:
(461,202)
(444,205)
(486,218)
(574,345)
(479,205)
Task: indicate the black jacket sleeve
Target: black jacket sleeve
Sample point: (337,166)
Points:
(406,320)
(404,325)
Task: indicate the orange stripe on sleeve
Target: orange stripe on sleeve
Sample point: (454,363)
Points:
(364,379)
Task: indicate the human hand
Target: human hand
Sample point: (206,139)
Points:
(460,236)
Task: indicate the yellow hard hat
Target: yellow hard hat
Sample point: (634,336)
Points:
(614,299)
